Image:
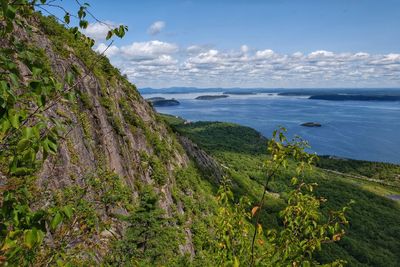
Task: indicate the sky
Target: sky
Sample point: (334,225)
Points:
(253,43)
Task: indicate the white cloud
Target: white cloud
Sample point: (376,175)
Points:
(320,54)
(211,56)
(387,60)
(156,27)
(98,31)
(244,48)
(264,54)
(297,55)
(361,55)
(196,49)
(147,50)
(161,64)
(109,51)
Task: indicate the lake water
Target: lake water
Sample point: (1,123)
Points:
(367,130)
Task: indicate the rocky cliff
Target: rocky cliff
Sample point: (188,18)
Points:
(115,148)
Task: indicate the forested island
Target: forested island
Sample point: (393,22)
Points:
(162,102)
(239,93)
(211,97)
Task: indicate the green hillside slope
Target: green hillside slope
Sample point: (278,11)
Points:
(373,237)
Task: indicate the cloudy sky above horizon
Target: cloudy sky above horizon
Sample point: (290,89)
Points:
(237,43)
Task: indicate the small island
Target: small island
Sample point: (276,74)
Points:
(293,94)
(157,98)
(162,102)
(311,124)
(239,93)
(211,97)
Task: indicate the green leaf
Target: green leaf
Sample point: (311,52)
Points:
(27,132)
(36,130)
(81,12)
(41,100)
(5,126)
(14,78)
(74,30)
(53,147)
(23,144)
(68,211)
(13,117)
(21,171)
(3,86)
(67,19)
(10,12)
(109,35)
(29,155)
(40,236)
(83,24)
(57,219)
(8,243)
(36,71)
(49,147)
(30,238)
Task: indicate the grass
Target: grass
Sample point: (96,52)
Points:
(373,237)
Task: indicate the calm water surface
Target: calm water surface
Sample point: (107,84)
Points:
(352,129)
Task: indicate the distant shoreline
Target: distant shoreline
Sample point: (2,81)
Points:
(356,129)
(328,156)
(339,97)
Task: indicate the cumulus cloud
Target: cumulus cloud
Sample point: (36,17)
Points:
(109,51)
(244,48)
(159,64)
(156,27)
(320,54)
(98,31)
(264,54)
(147,50)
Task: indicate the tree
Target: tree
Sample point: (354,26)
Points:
(304,227)
(149,236)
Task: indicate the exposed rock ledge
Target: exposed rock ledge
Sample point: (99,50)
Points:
(207,163)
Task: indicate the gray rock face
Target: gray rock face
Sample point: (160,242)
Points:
(204,161)
(93,141)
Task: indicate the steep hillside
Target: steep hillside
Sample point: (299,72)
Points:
(116,156)
(373,237)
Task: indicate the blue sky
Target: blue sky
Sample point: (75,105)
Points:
(270,43)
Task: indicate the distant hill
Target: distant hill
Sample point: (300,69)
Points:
(280,91)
